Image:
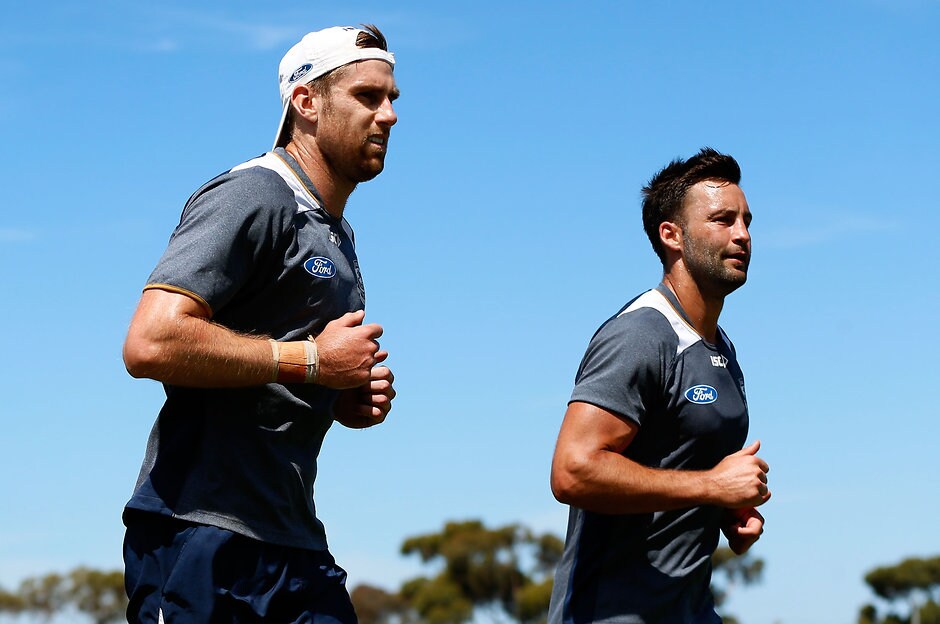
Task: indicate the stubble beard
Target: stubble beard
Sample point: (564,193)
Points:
(707,267)
(353,164)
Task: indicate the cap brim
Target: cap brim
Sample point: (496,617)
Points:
(282,137)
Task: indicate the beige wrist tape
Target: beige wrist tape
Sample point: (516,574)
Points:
(313,360)
(296,362)
(276,352)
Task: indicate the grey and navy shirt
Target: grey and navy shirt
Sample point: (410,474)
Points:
(258,250)
(649,366)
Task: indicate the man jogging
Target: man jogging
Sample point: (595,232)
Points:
(253,321)
(650,451)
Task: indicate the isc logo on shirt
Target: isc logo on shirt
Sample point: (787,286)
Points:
(319,266)
(701,394)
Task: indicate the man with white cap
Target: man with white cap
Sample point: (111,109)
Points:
(253,321)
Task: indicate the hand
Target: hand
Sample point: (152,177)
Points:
(368,405)
(348,350)
(740,479)
(742,527)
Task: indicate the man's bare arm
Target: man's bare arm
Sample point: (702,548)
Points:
(588,471)
(173,340)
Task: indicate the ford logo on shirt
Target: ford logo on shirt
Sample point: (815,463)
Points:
(320,267)
(701,394)
(300,73)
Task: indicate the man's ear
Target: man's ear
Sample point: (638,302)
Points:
(670,235)
(305,103)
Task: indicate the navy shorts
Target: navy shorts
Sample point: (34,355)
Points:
(182,573)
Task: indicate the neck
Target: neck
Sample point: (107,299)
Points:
(702,308)
(332,190)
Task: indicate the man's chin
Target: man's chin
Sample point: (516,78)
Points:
(368,175)
(735,282)
(370,170)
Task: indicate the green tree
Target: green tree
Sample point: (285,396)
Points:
(97,594)
(437,600)
(927,613)
(100,595)
(505,571)
(914,582)
(10,602)
(930,613)
(44,595)
(868,615)
(374,605)
(729,570)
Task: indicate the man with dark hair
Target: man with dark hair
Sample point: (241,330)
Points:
(253,321)
(650,455)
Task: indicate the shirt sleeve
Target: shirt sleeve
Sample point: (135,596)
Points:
(229,228)
(623,370)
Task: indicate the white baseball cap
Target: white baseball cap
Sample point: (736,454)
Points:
(316,54)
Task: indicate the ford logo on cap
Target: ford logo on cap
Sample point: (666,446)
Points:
(300,72)
(319,266)
(701,394)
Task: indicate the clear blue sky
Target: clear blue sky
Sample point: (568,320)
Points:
(504,230)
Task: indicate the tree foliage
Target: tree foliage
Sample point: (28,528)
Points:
(503,573)
(437,600)
(10,602)
(503,569)
(374,605)
(913,583)
(729,570)
(930,613)
(94,593)
(98,594)
(44,595)
(899,581)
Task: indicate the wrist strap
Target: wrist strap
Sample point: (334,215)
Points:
(276,352)
(313,360)
(296,362)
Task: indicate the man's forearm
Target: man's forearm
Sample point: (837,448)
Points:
(198,353)
(171,339)
(608,482)
(590,471)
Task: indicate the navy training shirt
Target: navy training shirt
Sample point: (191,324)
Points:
(687,396)
(256,247)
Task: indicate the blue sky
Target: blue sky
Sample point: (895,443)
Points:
(504,230)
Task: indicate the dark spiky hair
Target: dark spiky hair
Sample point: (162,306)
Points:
(665,193)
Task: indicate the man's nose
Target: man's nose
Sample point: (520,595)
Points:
(386,114)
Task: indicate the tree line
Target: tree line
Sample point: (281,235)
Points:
(503,574)
(98,595)
(911,590)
